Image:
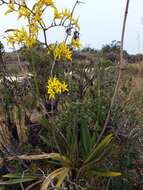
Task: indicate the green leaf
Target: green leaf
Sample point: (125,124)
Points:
(93,140)
(19,175)
(44,122)
(85,136)
(104,173)
(62,142)
(62,176)
(59,174)
(17,178)
(99,149)
(16,181)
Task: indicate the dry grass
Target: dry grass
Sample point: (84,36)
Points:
(135,97)
(137,75)
(136,68)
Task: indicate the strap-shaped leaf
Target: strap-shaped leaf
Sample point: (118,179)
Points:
(60,174)
(16,181)
(104,173)
(85,136)
(18,176)
(44,156)
(62,142)
(98,150)
(61,178)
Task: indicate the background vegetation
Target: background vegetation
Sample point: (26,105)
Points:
(86,137)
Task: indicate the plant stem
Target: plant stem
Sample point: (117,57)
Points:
(119,74)
(123,33)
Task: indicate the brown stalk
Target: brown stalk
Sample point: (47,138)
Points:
(119,74)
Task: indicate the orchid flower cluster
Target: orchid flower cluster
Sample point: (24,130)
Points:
(56,87)
(34,15)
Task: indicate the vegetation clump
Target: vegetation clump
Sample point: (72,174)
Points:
(59,127)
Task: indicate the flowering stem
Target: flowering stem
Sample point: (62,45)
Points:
(119,74)
(74,7)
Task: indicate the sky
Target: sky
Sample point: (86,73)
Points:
(100,21)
